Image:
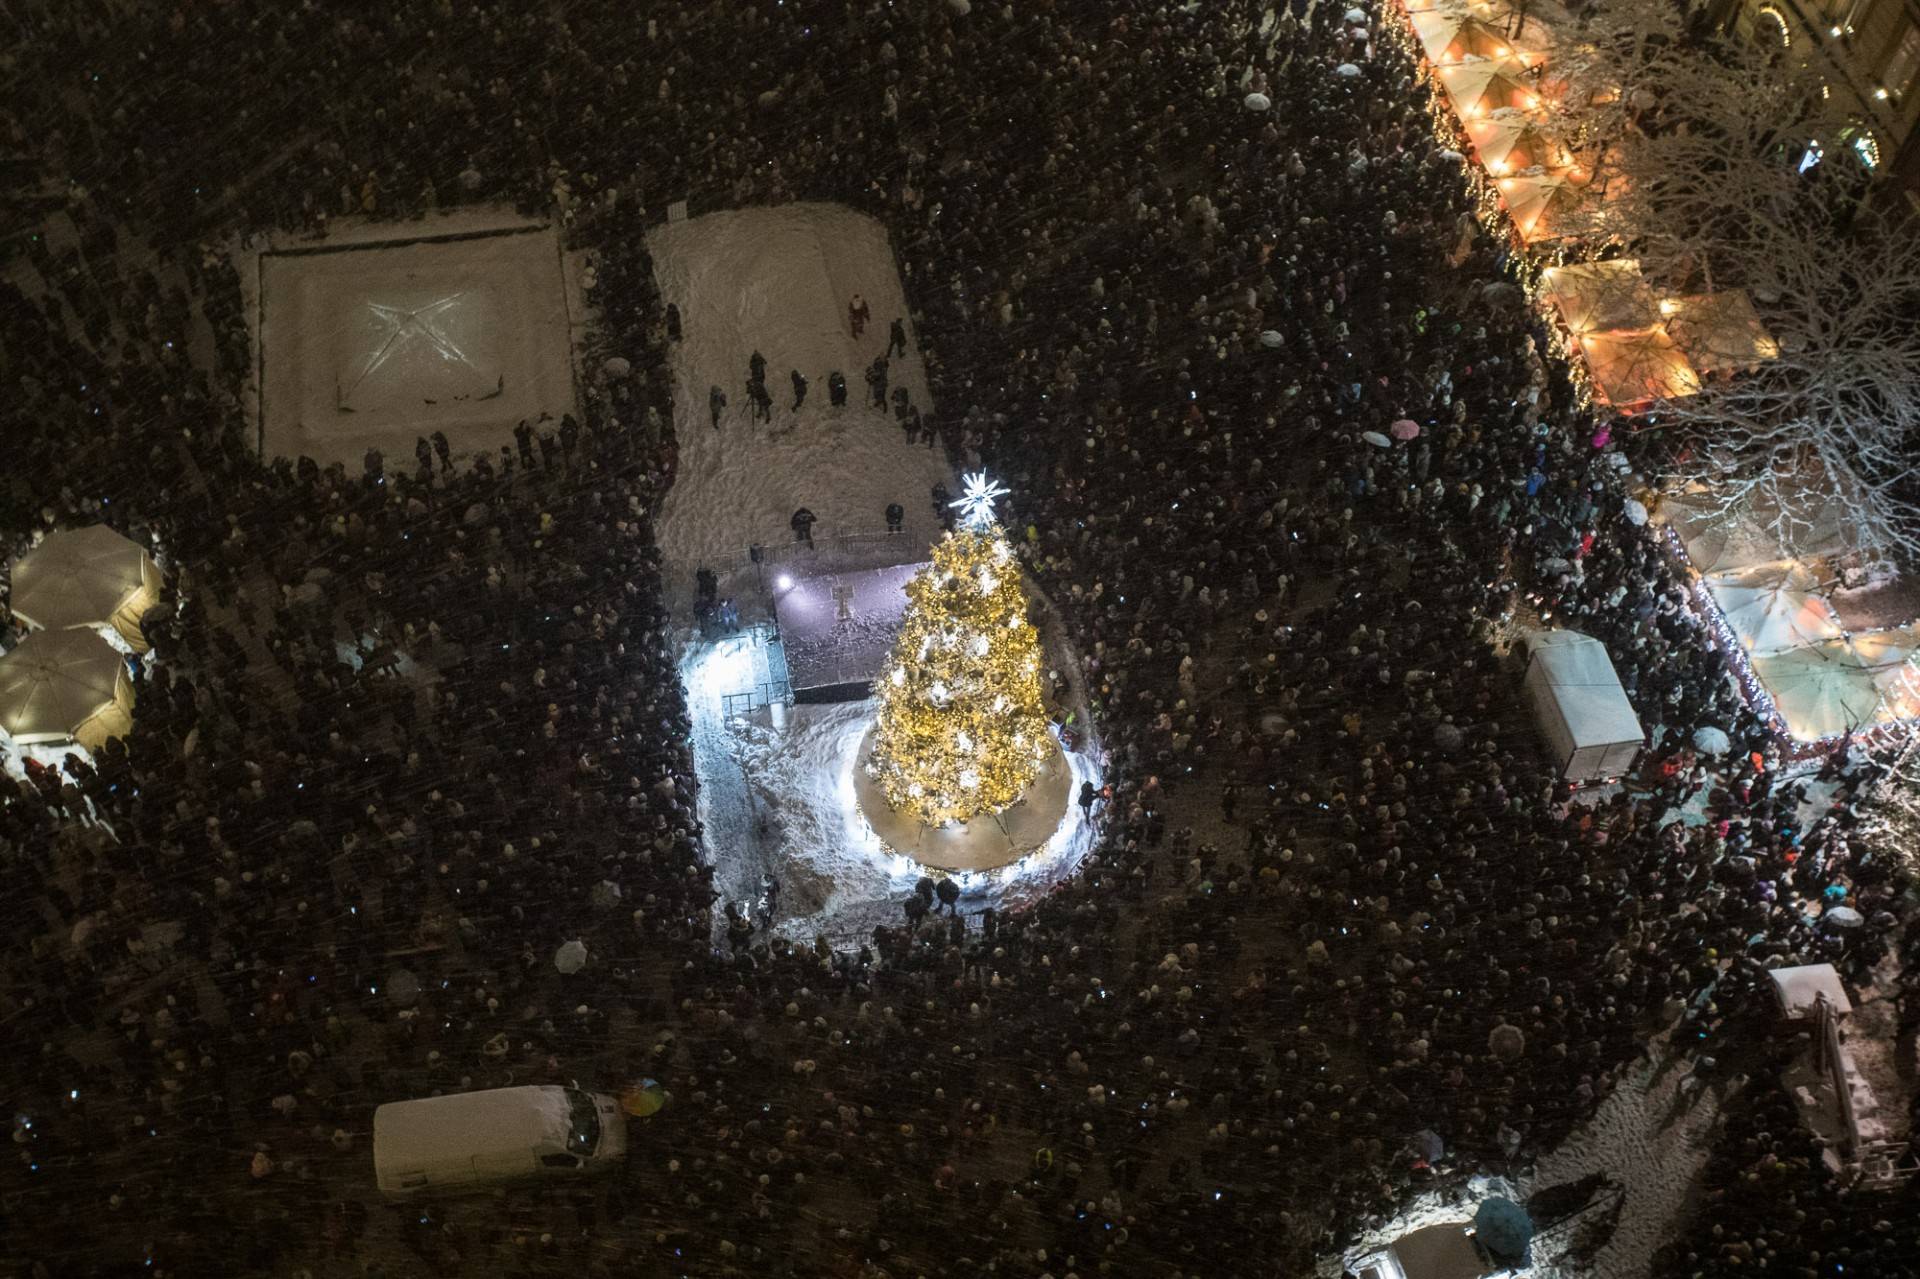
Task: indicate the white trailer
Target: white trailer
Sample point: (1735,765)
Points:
(1589,725)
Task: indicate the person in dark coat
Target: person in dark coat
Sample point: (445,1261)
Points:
(896,516)
(673,322)
(716,402)
(802,525)
(836,389)
(897,338)
(799,390)
(877,381)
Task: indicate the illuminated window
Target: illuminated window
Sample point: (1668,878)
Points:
(1898,76)
(1771,24)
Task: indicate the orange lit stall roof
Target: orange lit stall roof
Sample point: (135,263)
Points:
(1594,296)
(1454,34)
(1481,86)
(1509,140)
(1637,366)
(1535,200)
(1719,331)
(1487,10)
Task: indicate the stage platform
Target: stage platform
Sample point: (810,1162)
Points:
(837,628)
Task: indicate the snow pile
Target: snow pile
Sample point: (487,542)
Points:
(778,281)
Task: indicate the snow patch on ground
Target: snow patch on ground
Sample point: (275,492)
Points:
(1649,1141)
(777,280)
(384,332)
(1651,1136)
(776,797)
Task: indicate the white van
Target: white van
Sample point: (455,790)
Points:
(474,1139)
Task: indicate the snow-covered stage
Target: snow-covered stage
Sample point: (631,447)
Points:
(836,628)
(374,340)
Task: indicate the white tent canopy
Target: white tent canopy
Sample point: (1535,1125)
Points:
(1822,690)
(1774,607)
(88,576)
(64,686)
(1589,724)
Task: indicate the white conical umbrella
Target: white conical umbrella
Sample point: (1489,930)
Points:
(1774,608)
(64,686)
(1258,102)
(1821,691)
(86,577)
(571,957)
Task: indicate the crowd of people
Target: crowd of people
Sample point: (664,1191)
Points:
(411,730)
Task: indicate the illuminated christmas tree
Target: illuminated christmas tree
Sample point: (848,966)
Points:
(961,729)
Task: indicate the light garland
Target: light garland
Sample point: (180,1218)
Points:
(961,728)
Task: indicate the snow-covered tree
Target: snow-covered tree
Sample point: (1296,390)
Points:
(1727,164)
(961,728)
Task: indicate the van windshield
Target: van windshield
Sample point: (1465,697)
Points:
(583,1130)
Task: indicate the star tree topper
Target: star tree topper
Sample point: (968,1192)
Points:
(975,503)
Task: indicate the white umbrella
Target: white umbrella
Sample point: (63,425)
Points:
(617,366)
(1774,608)
(1258,102)
(1842,917)
(1506,1042)
(571,957)
(961,8)
(1376,439)
(1711,741)
(604,894)
(1451,156)
(1347,69)
(86,577)
(1357,16)
(1822,690)
(1272,339)
(1636,512)
(64,686)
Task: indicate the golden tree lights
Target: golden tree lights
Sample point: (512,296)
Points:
(961,729)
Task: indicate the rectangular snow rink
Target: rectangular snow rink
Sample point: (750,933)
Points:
(777,280)
(375,343)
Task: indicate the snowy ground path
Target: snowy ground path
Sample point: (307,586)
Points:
(1651,1137)
(777,280)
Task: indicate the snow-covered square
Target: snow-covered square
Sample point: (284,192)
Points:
(374,343)
(778,281)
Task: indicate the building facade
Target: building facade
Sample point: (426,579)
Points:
(1872,49)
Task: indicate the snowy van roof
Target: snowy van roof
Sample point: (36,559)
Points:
(427,1131)
(1799,989)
